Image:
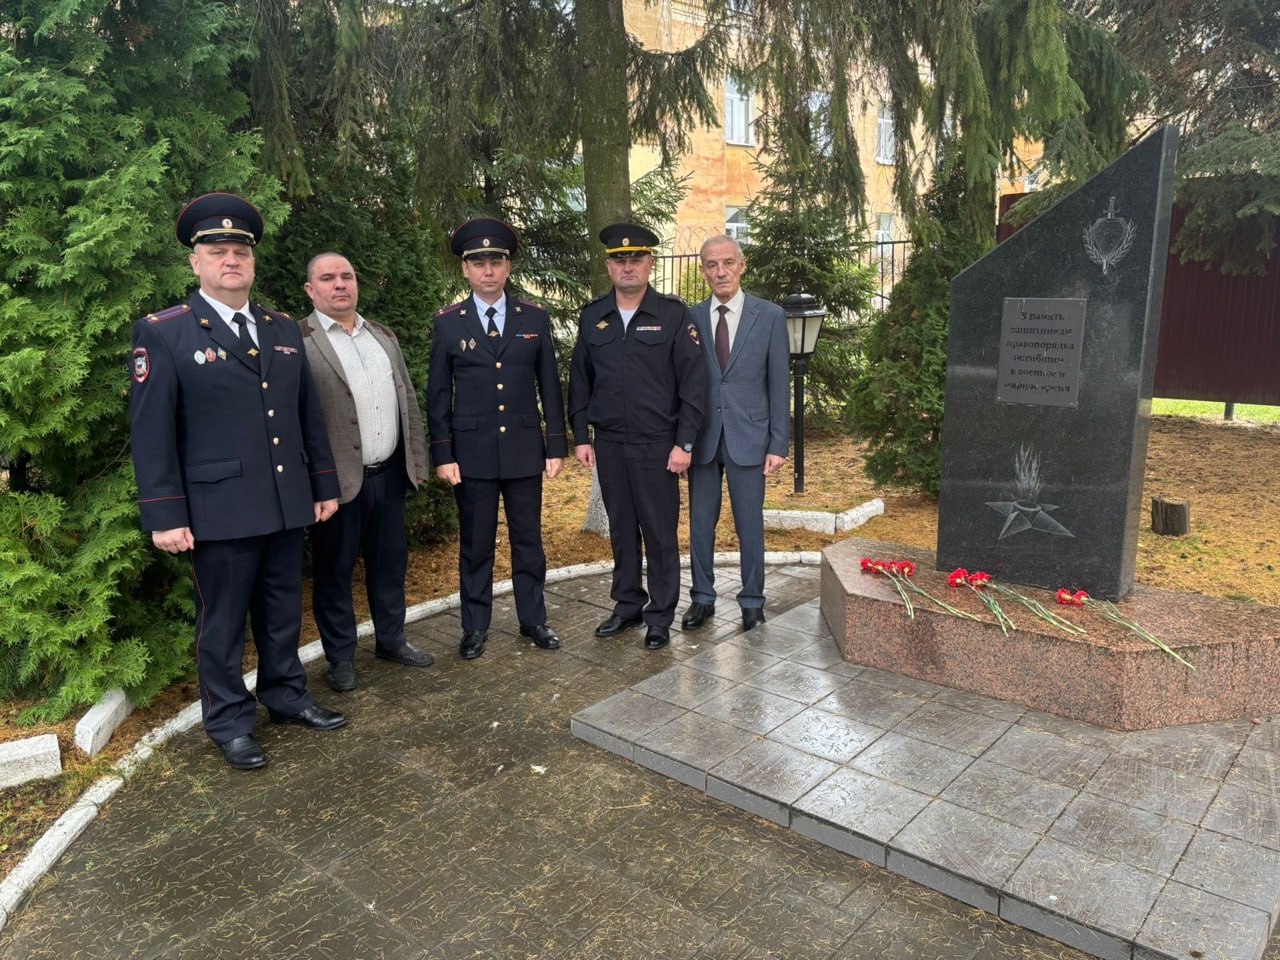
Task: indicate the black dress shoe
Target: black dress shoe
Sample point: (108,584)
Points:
(616,624)
(341,676)
(543,636)
(406,655)
(243,753)
(655,638)
(697,615)
(315,717)
(752,617)
(472,644)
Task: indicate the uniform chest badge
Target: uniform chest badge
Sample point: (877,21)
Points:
(650,329)
(209,354)
(141,364)
(693,334)
(472,343)
(462,344)
(602,324)
(222,354)
(199,357)
(253,351)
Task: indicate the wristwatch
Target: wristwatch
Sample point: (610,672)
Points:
(687,447)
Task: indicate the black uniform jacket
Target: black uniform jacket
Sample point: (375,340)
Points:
(645,386)
(219,446)
(483,393)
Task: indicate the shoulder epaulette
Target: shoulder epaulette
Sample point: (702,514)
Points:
(168,313)
(276,314)
(597,299)
(449,309)
(668,296)
(530,303)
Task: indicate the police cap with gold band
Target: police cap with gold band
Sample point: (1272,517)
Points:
(484,238)
(627,241)
(219,218)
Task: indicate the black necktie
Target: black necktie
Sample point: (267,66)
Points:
(242,330)
(493,326)
(722,337)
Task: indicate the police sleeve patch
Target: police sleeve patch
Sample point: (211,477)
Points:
(141,364)
(693,334)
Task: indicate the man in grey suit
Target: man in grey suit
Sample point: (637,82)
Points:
(375,429)
(745,433)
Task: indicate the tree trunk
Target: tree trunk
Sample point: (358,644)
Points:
(1170,518)
(606,146)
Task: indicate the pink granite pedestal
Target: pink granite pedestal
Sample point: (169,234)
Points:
(1109,677)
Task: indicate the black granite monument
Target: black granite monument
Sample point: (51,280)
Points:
(1050,362)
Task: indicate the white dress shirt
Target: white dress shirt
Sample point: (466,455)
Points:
(226,313)
(731,319)
(373,387)
(499,318)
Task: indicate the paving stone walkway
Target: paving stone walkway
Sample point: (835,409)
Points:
(457,816)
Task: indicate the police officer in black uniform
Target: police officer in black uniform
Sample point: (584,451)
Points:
(232,462)
(492,362)
(638,379)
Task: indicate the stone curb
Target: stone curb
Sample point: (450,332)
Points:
(821,522)
(41,857)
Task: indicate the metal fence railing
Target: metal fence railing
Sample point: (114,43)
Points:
(681,274)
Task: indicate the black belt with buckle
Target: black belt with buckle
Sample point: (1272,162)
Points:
(373,469)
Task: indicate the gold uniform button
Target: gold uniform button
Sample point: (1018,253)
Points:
(264,384)
(502,408)
(502,429)
(280,469)
(271,413)
(498,364)
(276,441)
(499,386)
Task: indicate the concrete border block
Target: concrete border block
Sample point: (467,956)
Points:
(95,729)
(859,515)
(33,758)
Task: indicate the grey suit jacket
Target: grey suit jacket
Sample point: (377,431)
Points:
(749,400)
(340,408)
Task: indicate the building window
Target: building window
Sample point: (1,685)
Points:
(1033,180)
(735,224)
(886,143)
(738,121)
(884,235)
(820,122)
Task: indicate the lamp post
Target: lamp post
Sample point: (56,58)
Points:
(804,323)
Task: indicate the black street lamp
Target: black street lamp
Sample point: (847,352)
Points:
(804,323)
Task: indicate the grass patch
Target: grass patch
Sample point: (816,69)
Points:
(1252,412)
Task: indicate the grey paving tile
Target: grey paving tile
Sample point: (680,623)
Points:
(1256,769)
(921,766)
(826,735)
(1090,900)
(870,703)
(684,686)
(694,743)
(959,730)
(985,706)
(1010,795)
(767,771)
(857,813)
(818,653)
(1235,869)
(1265,735)
(731,661)
(962,853)
(1247,815)
(772,638)
(1047,756)
(1189,922)
(1137,837)
(1152,787)
(629,715)
(902,684)
(756,710)
(797,682)
(804,618)
(1203,749)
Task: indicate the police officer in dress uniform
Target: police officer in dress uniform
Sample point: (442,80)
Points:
(232,462)
(492,361)
(638,379)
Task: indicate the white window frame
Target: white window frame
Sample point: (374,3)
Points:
(739,115)
(886,141)
(820,122)
(884,235)
(736,225)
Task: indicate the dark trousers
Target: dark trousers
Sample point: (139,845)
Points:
(642,499)
(369,526)
(746,498)
(260,577)
(477,536)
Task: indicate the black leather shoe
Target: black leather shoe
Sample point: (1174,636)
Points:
(543,636)
(616,624)
(752,617)
(472,644)
(315,717)
(341,676)
(697,616)
(243,753)
(406,655)
(655,638)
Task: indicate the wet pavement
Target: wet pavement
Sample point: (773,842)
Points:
(458,816)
